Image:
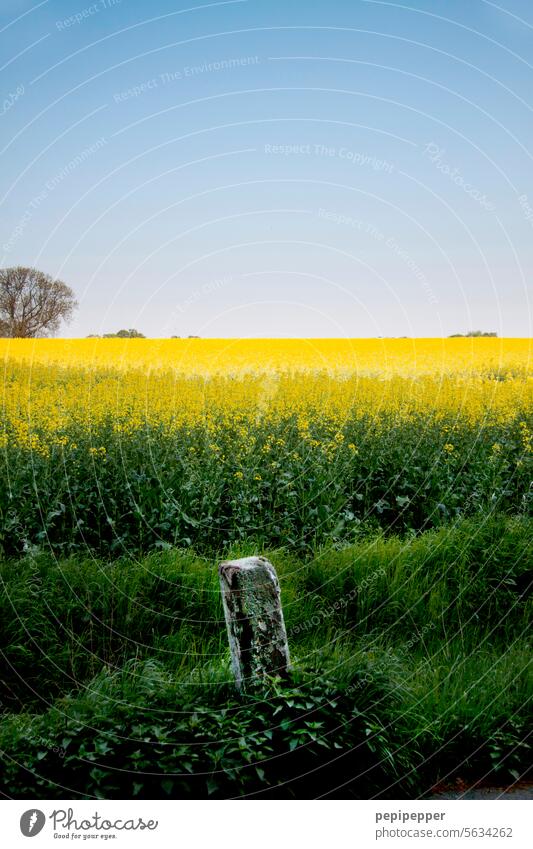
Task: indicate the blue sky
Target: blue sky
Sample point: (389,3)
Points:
(266,168)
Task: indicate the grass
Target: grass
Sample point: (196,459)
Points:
(411,664)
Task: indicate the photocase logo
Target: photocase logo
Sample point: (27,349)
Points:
(32,822)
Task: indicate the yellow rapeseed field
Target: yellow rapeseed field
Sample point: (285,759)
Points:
(113,443)
(383,357)
(52,385)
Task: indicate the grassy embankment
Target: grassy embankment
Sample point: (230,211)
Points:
(412,663)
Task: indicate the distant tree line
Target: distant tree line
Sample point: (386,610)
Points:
(33,304)
(128,334)
(120,334)
(475,333)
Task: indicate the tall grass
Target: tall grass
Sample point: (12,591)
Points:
(422,644)
(62,620)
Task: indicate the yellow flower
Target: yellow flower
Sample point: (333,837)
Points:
(58,390)
(97,452)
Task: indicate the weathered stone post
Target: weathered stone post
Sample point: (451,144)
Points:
(254,619)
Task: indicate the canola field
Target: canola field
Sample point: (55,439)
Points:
(119,446)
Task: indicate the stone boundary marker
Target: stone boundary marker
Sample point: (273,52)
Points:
(254,620)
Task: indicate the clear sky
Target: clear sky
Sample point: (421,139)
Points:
(272,168)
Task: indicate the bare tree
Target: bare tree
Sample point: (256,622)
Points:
(32,303)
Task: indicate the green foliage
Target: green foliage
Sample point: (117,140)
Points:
(150,488)
(411,665)
(158,743)
(125,334)
(475,333)
(60,621)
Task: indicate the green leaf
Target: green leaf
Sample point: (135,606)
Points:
(212,786)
